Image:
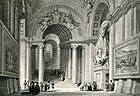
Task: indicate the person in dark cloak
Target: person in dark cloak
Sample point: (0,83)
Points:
(52,84)
(45,87)
(30,87)
(89,87)
(36,88)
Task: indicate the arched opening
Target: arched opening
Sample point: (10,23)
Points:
(54,54)
(101,57)
(101,13)
(61,31)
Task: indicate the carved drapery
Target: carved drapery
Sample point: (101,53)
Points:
(102,54)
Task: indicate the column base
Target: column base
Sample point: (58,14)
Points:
(8,86)
(120,86)
(129,86)
(136,87)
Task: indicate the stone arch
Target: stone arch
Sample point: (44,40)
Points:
(53,37)
(61,31)
(76,17)
(50,54)
(100,12)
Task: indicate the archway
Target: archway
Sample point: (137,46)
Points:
(101,57)
(61,31)
(55,54)
(100,15)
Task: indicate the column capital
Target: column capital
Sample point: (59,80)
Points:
(83,46)
(74,46)
(36,41)
(64,46)
(58,48)
(40,46)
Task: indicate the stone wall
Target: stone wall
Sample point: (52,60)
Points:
(125,39)
(9,62)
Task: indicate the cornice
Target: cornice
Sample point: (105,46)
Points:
(122,9)
(46,7)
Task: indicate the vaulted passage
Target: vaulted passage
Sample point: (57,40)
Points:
(79,45)
(61,31)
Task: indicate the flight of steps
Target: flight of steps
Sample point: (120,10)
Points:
(66,86)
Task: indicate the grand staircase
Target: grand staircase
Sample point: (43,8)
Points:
(66,86)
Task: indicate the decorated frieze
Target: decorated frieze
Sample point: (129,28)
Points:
(57,17)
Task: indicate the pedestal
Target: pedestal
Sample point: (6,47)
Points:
(120,85)
(100,77)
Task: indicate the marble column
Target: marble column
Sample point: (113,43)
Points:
(58,58)
(41,67)
(62,58)
(22,62)
(28,62)
(37,56)
(112,43)
(74,67)
(83,64)
(69,64)
(78,65)
(66,62)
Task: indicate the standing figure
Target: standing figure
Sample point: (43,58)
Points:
(111,86)
(94,86)
(33,88)
(37,88)
(89,87)
(41,86)
(45,87)
(30,87)
(25,84)
(107,85)
(105,35)
(52,84)
(48,85)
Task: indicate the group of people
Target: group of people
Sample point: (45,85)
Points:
(46,86)
(62,77)
(109,86)
(35,87)
(88,86)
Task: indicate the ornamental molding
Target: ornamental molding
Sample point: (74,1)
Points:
(45,8)
(122,9)
(57,17)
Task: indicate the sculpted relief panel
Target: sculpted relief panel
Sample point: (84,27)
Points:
(102,53)
(57,17)
(11,56)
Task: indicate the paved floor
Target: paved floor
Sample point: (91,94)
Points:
(68,89)
(82,93)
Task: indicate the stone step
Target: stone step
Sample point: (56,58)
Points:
(82,93)
(65,84)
